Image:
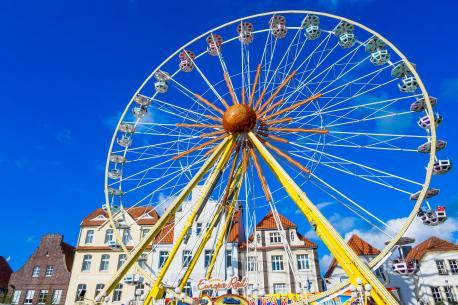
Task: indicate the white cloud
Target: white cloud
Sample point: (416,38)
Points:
(164,202)
(325,261)
(324,204)
(342,223)
(418,230)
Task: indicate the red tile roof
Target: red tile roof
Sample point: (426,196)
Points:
(268,222)
(360,246)
(430,245)
(166,234)
(233,236)
(308,243)
(5,273)
(142,215)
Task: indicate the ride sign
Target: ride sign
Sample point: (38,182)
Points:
(217,283)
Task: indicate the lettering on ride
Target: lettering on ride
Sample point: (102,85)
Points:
(217,283)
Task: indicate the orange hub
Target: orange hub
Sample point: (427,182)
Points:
(239,118)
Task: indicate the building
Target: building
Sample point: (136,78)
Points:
(434,281)
(5,274)
(96,263)
(278,259)
(44,278)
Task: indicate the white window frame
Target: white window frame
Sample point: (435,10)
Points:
(198,228)
(108,235)
(449,294)
(43,296)
(49,271)
(104,262)
(441,267)
(275,237)
(117,293)
(453,263)
(228,258)
(187,257)
(277,263)
(163,256)
(89,239)
(303,262)
(87,262)
(56,296)
(145,231)
(252,263)
(79,289)
(98,287)
(126,236)
(16,297)
(29,297)
(36,271)
(208,257)
(279,288)
(122,258)
(436,294)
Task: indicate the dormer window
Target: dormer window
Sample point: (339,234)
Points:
(292,236)
(275,237)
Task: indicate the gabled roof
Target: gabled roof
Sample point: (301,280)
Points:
(5,273)
(430,245)
(308,243)
(361,248)
(166,234)
(268,222)
(142,215)
(233,235)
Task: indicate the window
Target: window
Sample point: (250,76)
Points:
(16,297)
(126,238)
(163,255)
(117,293)
(228,258)
(42,296)
(36,271)
(121,260)
(441,267)
(449,294)
(187,289)
(198,228)
(258,238)
(292,236)
(139,289)
(252,264)
(380,274)
(275,237)
(49,271)
(108,235)
(302,262)
(56,296)
(208,257)
(29,297)
(187,236)
(453,266)
(80,292)
(279,288)
(145,232)
(89,237)
(436,293)
(143,259)
(277,262)
(104,262)
(98,288)
(186,257)
(86,266)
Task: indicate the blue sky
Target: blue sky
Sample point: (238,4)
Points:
(68,68)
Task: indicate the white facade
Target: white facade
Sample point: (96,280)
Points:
(95,263)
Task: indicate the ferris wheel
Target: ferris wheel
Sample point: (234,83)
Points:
(278,112)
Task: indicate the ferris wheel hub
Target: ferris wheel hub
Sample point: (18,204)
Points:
(239,118)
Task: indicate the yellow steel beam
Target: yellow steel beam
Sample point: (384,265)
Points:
(200,248)
(164,219)
(157,289)
(350,262)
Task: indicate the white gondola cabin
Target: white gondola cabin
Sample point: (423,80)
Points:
(425,123)
(441,167)
(380,57)
(139,112)
(433,217)
(405,268)
(245,31)
(401,70)
(310,24)
(114,173)
(277,25)
(374,44)
(161,85)
(420,104)
(142,101)
(429,193)
(347,40)
(114,192)
(114,208)
(343,28)
(214,42)
(124,141)
(118,159)
(408,84)
(127,128)
(186,60)
(426,147)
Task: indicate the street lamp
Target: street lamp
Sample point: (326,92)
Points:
(360,292)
